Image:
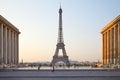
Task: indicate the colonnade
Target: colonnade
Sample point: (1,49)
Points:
(111,45)
(9,38)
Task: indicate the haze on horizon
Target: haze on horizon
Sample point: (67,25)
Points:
(37,21)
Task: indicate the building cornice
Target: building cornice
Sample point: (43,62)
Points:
(114,21)
(6,22)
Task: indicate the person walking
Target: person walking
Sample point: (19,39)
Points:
(53,68)
(39,66)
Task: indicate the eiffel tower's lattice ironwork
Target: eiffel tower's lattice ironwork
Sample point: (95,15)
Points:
(60,45)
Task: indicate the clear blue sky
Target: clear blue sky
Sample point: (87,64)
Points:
(37,21)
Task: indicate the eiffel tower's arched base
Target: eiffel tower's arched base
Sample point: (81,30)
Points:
(60,58)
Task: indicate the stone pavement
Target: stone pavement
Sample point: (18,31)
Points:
(60,75)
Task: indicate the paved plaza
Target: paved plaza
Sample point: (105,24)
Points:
(60,75)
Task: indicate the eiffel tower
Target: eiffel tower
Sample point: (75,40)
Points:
(60,45)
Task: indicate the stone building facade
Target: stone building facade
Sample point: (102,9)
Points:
(9,42)
(111,42)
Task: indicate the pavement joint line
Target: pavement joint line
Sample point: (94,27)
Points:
(57,76)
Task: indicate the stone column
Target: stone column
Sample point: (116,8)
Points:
(108,47)
(105,48)
(119,43)
(5,44)
(103,39)
(114,44)
(1,43)
(114,47)
(10,46)
(15,50)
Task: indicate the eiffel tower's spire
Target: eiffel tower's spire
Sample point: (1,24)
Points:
(60,33)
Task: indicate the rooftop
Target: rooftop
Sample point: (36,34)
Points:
(114,21)
(6,22)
